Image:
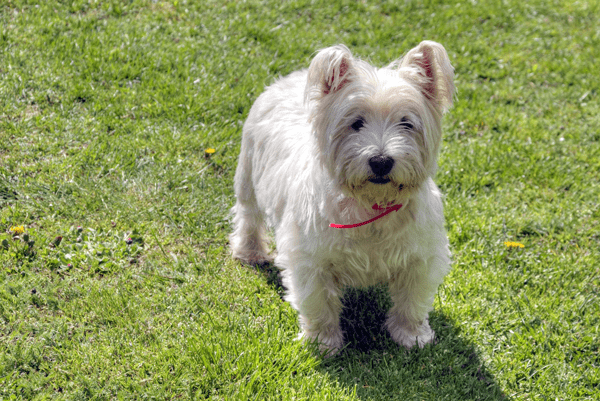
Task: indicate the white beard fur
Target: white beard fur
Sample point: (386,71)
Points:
(305,163)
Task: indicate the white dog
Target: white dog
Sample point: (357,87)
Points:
(338,160)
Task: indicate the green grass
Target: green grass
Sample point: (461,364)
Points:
(106,108)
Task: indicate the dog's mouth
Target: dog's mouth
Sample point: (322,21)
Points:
(384,180)
(379,180)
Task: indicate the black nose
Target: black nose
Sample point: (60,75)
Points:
(381,165)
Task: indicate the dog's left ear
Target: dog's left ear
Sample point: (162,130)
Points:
(428,66)
(330,71)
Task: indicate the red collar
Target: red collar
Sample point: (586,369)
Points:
(386,210)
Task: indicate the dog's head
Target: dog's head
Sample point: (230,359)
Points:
(378,131)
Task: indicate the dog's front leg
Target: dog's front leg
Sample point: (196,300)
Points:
(412,295)
(317,298)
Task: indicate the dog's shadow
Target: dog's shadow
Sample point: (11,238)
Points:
(374,366)
(378,368)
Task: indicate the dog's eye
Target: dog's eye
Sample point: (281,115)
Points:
(406,124)
(358,124)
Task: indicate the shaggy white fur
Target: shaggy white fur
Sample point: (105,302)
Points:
(323,146)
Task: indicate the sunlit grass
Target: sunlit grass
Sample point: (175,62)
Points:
(120,125)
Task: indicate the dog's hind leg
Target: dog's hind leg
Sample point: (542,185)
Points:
(248,240)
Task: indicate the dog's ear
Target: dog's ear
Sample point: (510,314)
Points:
(428,66)
(330,71)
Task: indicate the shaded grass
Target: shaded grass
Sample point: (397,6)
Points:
(105,111)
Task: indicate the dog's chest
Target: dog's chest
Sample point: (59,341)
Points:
(368,261)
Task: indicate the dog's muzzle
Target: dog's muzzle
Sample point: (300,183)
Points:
(381,167)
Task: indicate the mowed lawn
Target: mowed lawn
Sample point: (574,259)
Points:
(115,277)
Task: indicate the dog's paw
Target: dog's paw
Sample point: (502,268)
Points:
(253,258)
(328,345)
(421,336)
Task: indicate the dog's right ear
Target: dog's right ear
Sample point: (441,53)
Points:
(428,66)
(330,70)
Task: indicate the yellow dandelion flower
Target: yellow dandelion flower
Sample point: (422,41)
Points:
(511,244)
(208,152)
(17,230)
